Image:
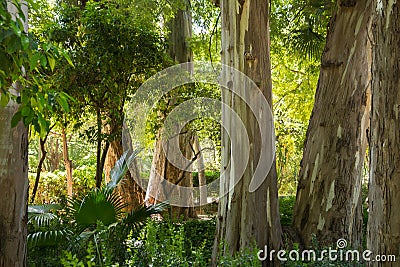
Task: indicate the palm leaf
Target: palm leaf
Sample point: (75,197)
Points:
(41,215)
(48,237)
(136,218)
(96,205)
(120,169)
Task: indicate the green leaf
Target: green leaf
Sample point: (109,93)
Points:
(4,99)
(16,29)
(62,101)
(15,119)
(26,111)
(24,42)
(66,56)
(44,125)
(43,60)
(52,62)
(34,60)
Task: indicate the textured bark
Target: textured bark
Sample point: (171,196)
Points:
(13,186)
(67,163)
(328,202)
(246,218)
(14,189)
(384,188)
(13,183)
(162,168)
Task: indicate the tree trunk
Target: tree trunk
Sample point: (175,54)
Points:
(43,153)
(384,194)
(13,181)
(246,218)
(67,163)
(162,169)
(201,175)
(328,202)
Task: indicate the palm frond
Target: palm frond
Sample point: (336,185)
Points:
(96,205)
(42,215)
(120,168)
(48,237)
(136,218)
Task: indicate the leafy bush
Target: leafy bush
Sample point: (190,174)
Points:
(210,177)
(286,206)
(98,217)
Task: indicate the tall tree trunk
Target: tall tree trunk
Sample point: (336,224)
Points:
(328,202)
(246,217)
(67,163)
(180,52)
(384,189)
(13,180)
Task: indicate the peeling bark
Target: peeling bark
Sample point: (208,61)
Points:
(13,181)
(384,188)
(245,218)
(162,168)
(328,202)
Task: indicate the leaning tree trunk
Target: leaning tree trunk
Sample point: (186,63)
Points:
(162,168)
(328,202)
(384,189)
(13,182)
(246,218)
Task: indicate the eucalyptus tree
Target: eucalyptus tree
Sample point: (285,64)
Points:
(328,202)
(383,224)
(246,218)
(13,141)
(20,90)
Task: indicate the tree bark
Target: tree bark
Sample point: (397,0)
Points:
(328,202)
(180,52)
(384,195)
(14,189)
(246,218)
(67,163)
(13,181)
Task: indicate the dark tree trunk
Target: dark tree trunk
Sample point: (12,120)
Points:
(43,154)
